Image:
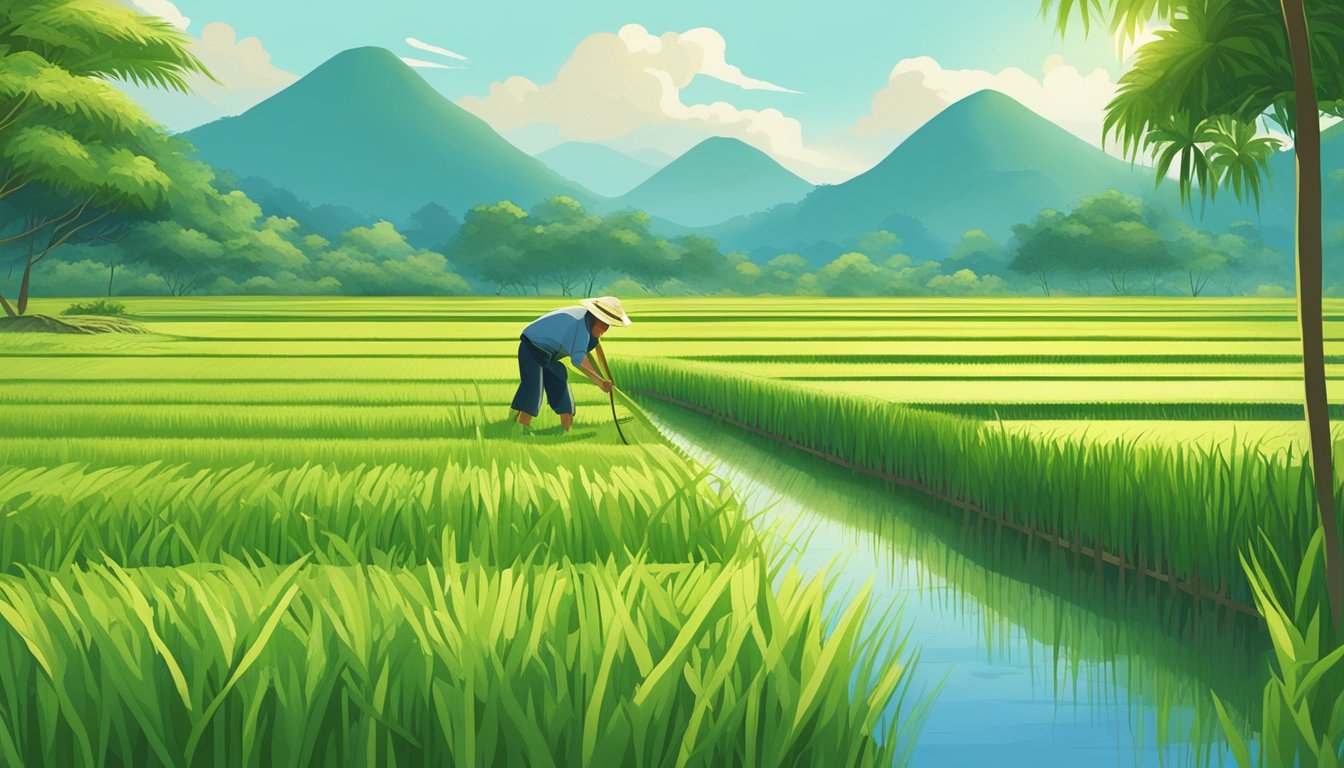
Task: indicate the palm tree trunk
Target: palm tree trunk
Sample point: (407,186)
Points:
(1307,148)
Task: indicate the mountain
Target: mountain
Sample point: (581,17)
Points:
(606,171)
(986,162)
(716,180)
(364,131)
(651,156)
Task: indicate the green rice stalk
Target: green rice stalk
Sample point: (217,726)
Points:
(643,664)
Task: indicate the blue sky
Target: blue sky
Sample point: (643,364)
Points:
(838,57)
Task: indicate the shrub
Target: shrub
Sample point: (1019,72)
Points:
(96,307)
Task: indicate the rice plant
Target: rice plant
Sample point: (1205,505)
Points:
(498,513)
(1173,510)
(465,665)
(1302,719)
(1154,411)
(1008,359)
(591,448)
(262,392)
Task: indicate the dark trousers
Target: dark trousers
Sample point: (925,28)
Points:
(538,371)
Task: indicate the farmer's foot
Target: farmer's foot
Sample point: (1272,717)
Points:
(566,421)
(521,423)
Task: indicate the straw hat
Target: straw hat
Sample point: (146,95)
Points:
(608,309)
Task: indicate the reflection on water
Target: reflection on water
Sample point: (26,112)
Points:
(1043,667)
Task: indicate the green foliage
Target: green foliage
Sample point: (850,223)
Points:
(501,512)
(437,591)
(1302,719)
(1195,94)
(78,149)
(95,307)
(1177,505)
(538,664)
(1114,236)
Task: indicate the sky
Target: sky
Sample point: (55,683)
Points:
(825,90)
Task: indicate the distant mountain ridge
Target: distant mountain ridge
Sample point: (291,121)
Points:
(365,131)
(986,162)
(716,180)
(606,171)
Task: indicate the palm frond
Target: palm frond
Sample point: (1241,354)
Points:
(1238,157)
(1126,18)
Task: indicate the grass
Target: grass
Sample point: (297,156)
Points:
(591,447)
(359,385)
(241,552)
(1084,413)
(1176,509)
(1009,359)
(264,392)
(498,513)
(1302,718)
(538,665)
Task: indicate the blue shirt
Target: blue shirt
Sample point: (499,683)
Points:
(564,331)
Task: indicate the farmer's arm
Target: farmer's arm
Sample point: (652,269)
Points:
(586,367)
(602,358)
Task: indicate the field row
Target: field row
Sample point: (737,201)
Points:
(1185,509)
(779,348)
(515,508)
(230,558)
(541,665)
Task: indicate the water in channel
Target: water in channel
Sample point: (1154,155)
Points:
(1032,659)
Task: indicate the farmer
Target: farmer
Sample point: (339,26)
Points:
(570,332)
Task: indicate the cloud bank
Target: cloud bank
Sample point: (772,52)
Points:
(918,89)
(615,85)
(242,68)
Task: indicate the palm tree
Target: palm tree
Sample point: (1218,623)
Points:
(73,149)
(1196,94)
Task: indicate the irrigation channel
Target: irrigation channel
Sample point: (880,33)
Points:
(1032,658)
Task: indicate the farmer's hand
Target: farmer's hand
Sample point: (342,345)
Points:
(605,385)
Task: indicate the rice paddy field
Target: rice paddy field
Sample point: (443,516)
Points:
(227,544)
(278,516)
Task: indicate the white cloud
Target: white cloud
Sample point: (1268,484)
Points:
(242,68)
(712,50)
(422,64)
(615,85)
(422,45)
(164,9)
(918,89)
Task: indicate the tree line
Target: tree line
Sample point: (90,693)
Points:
(97,199)
(1116,243)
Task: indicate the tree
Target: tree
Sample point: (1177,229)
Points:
(182,256)
(73,149)
(977,252)
(1196,94)
(878,244)
(1047,246)
(377,261)
(1197,255)
(701,262)
(563,245)
(851,274)
(493,244)
(432,227)
(780,274)
(648,259)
